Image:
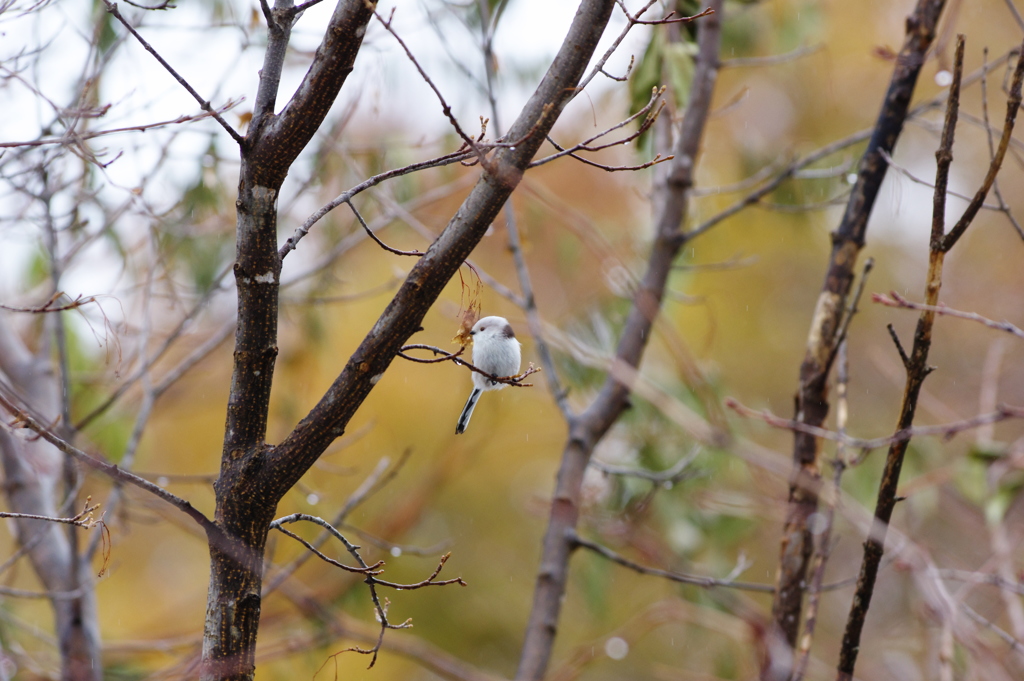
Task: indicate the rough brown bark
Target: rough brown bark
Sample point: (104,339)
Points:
(916,364)
(245,502)
(254,475)
(812,405)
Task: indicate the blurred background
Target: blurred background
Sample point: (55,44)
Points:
(146,225)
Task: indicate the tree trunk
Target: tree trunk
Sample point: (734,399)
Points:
(33,470)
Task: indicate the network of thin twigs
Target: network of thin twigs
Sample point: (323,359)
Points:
(370,572)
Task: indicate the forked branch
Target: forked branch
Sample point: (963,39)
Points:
(370,571)
(203,103)
(917,364)
(672,188)
(24,418)
(812,406)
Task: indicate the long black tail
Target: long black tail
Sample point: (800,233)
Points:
(467,411)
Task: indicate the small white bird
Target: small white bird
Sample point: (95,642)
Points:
(496,351)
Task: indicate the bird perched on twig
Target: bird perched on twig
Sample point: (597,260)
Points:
(496,351)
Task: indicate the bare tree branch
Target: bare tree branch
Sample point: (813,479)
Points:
(205,105)
(111,470)
(586,429)
(706,582)
(254,475)
(896,300)
(75,137)
(917,367)
(812,395)
(370,571)
(83,519)
(947,430)
(1012,106)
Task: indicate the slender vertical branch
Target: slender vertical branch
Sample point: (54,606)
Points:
(991,147)
(812,394)
(245,508)
(586,430)
(917,362)
(279,31)
(533,319)
(824,544)
(1012,107)
(35,473)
